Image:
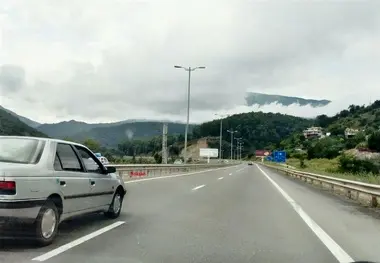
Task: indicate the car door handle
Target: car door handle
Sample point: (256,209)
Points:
(63,183)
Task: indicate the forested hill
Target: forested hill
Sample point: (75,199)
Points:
(11,125)
(355,117)
(257,129)
(363,123)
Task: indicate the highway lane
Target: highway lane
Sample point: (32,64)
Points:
(230,215)
(22,250)
(354,227)
(240,218)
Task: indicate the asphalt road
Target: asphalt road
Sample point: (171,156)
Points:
(240,214)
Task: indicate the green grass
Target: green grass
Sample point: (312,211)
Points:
(330,168)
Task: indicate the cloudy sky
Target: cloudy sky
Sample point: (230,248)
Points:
(107,60)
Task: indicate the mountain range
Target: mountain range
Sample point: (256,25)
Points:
(110,134)
(10,125)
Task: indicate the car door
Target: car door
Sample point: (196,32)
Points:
(73,181)
(102,185)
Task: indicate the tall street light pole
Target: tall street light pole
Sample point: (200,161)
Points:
(241,147)
(237,147)
(189,69)
(220,134)
(232,142)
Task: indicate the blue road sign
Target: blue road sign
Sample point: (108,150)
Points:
(279,156)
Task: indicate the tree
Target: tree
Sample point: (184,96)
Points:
(336,129)
(92,145)
(158,158)
(328,147)
(374,141)
(323,121)
(354,141)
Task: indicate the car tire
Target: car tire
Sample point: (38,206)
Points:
(46,224)
(115,207)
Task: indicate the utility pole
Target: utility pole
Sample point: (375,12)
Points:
(241,147)
(220,135)
(237,147)
(165,143)
(220,140)
(232,143)
(189,69)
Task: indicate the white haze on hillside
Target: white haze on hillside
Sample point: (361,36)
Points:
(293,109)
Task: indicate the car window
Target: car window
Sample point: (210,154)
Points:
(21,150)
(89,161)
(69,159)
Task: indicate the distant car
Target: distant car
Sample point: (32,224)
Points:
(104,160)
(250,163)
(46,181)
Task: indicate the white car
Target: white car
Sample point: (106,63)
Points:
(46,181)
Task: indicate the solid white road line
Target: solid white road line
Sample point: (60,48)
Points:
(220,178)
(331,245)
(76,242)
(177,175)
(198,187)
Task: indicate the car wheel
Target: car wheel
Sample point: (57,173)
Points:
(115,208)
(46,224)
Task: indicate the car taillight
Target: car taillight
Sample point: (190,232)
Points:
(7,187)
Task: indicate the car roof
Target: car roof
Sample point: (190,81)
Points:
(41,139)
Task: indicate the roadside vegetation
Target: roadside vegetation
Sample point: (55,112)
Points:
(330,167)
(334,153)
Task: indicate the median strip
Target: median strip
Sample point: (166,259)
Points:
(176,175)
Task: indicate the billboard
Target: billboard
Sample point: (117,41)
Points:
(262,153)
(208,152)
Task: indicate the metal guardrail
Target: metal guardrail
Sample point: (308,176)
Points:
(364,191)
(139,171)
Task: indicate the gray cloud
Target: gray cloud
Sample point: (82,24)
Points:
(108,61)
(12,79)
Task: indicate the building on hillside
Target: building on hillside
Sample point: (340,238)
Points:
(348,132)
(327,134)
(313,132)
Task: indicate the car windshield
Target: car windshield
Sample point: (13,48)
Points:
(20,150)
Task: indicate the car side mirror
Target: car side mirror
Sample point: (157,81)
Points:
(110,169)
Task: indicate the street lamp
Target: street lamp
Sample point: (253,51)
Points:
(221,134)
(232,142)
(237,146)
(241,147)
(189,69)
